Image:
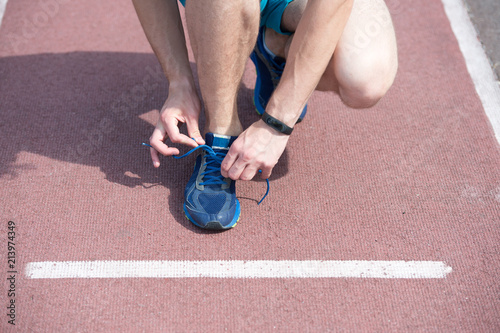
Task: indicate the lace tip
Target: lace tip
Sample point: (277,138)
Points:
(145,144)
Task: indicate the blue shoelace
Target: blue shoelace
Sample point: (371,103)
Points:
(213,160)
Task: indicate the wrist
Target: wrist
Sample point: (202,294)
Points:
(284,110)
(183,89)
(276,124)
(181,84)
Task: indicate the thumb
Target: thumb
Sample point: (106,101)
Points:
(194,131)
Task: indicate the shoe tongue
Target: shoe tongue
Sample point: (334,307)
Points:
(219,142)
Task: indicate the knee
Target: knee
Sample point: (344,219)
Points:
(365,88)
(244,13)
(363,95)
(250,12)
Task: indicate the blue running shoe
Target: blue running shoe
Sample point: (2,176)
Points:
(210,199)
(269,71)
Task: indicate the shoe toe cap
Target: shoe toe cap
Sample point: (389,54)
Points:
(225,219)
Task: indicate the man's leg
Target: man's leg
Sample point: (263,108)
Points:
(222,33)
(365,61)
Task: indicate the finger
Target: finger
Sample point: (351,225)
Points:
(236,169)
(194,131)
(228,162)
(164,149)
(155,157)
(248,173)
(173,133)
(266,173)
(156,141)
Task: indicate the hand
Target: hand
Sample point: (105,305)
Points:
(182,106)
(257,148)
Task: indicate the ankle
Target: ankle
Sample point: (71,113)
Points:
(232,129)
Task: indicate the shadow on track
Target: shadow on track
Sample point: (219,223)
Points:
(95,109)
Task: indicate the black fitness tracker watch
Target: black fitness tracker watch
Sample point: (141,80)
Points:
(277,124)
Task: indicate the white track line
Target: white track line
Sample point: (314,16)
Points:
(3,4)
(238,269)
(478,65)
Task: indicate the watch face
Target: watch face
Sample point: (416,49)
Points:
(276,124)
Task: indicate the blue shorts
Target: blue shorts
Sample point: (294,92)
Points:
(271,12)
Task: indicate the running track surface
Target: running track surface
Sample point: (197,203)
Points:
(416,178)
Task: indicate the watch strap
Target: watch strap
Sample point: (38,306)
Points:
(276,124)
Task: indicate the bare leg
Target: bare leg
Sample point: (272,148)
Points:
(222,33)
(365,61)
